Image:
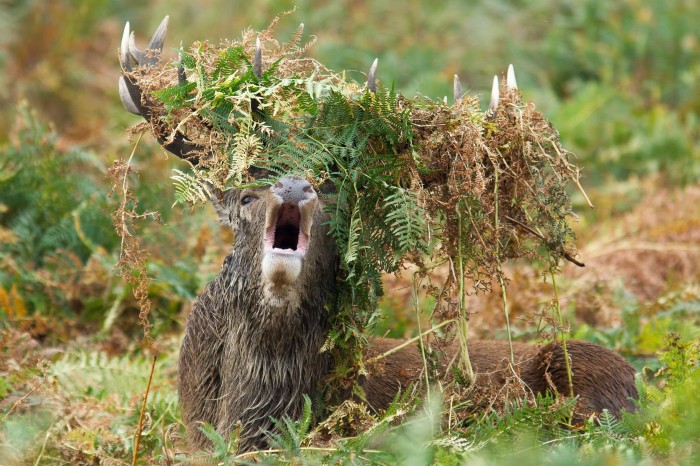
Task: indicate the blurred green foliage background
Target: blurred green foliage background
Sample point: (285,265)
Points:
(619,80)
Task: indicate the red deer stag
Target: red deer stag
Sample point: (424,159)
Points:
(252,343)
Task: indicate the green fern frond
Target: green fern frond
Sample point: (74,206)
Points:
(189,189)
(407,220)
(354,231)
(218,441)
(290,434)
(98,375)
(609,423)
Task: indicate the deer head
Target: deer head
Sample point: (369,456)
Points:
(280,228)
(281,235)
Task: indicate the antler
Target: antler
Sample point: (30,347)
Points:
(511,85)
(136,102)
(372,76)
(457,89)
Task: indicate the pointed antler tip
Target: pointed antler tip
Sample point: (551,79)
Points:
(457,88)
(124,47)
(511,83)
(372,76)
(494,94)
(158,38)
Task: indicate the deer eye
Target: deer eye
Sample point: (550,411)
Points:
(247,200)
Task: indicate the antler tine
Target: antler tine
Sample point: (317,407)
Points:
(131,94)
(124,57)
(128,100)
(511,83)
(139,56)
(457,88)
(158,37)
(372,76)
(494,95)
(257,59)
(142,57)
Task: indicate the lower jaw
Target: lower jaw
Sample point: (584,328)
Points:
(282,267)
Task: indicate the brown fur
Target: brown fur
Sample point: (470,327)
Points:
(602,379)
(252,346)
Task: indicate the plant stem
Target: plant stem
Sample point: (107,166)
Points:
(498,260)
(143,412)
(465,362)
(43,446)
(24,397)
(125,197)
(409,341)
(564,335)
(414,292)
(504,299)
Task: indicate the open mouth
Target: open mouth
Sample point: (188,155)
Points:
(285,236)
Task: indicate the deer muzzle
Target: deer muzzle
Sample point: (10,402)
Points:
(291,204)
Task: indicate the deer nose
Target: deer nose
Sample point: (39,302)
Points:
(293,189)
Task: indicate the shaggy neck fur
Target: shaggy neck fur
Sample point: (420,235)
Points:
(259,350)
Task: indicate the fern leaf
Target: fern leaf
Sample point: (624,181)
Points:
(406,218)
(354,231)
(189,189)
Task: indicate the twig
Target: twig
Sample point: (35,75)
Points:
(143,412)
(463,315)
(43,445)
(251,454)
(566,254)
(24,397)
(582,191)
(409,341)
(557,309)
(575,174)
(526,227)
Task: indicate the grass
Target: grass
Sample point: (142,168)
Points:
(622,92)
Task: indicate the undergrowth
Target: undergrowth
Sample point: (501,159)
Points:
(102,395)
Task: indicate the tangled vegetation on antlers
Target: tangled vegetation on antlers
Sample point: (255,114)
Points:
(414,181)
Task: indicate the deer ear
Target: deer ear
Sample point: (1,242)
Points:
(223,202)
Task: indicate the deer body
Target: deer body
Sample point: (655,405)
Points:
(253,341)
(252,345)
